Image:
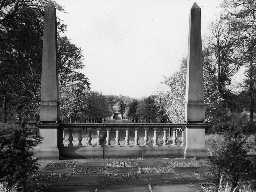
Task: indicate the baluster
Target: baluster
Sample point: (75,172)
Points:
(173,136)
(164,137)
(176,136)
(80,137)
(136,137)
(117,137)
(98,137)
(64,137)
(127,137)
(182,137)
(90,137)
(83,136)
(155,138)
(107,138)
(145,136)
(70,138)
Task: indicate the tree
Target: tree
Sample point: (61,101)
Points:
(172,101)
(122,107)
(132,108)
(97,107)
(74,86)
(231,45)
(147,110)
(240,15)
(20,53)
(21,29)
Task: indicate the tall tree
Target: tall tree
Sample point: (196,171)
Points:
(21,30)
(20,53)
(241,17)
(173,99)
(74,86)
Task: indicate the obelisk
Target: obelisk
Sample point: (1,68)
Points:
(195,107)
(49,80)
(49,109)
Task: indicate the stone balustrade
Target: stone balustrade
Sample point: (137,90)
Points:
(128,134)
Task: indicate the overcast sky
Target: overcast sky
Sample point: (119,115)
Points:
(130,45)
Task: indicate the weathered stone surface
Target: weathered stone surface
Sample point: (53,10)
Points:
(48,130)
(48,148)
(49,80)
(195,108)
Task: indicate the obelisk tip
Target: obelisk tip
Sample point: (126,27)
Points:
(195,6)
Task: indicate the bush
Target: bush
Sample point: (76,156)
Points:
(229,160)
(17,164)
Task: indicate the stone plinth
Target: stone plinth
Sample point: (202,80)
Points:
(195,140)
(48,149)
(195,108)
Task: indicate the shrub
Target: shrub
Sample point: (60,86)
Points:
(229,160)
(17,164)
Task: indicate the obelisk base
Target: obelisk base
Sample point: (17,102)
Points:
(49,111)
(47,149)
(195,111)
(195,141)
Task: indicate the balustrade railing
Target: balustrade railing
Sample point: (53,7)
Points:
(123,134)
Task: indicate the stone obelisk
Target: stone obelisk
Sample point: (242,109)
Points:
(49,109)
(195,107)
(49,79)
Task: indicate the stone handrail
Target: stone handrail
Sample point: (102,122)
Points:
(122,134)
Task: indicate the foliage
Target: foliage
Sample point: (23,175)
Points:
(173,99)
(20,53)
(131,113)
(231,46)
(148,110)
(229,160)
(74,86)
(122,107)
(17,164)
(21,29)
(97,106)
(240,15)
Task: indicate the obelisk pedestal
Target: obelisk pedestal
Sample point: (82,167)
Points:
(49,109)
(195,107)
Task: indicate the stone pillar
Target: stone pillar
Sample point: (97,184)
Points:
(49,79)
(195,108)
(49,118)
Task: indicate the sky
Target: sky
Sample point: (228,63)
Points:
(130,45)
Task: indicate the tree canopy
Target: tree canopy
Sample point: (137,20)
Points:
(21,30)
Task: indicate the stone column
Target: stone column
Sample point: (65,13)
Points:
(49,90)
(195,108)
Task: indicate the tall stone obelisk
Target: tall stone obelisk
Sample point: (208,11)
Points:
(49,80)
(195,107)
(49,108)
